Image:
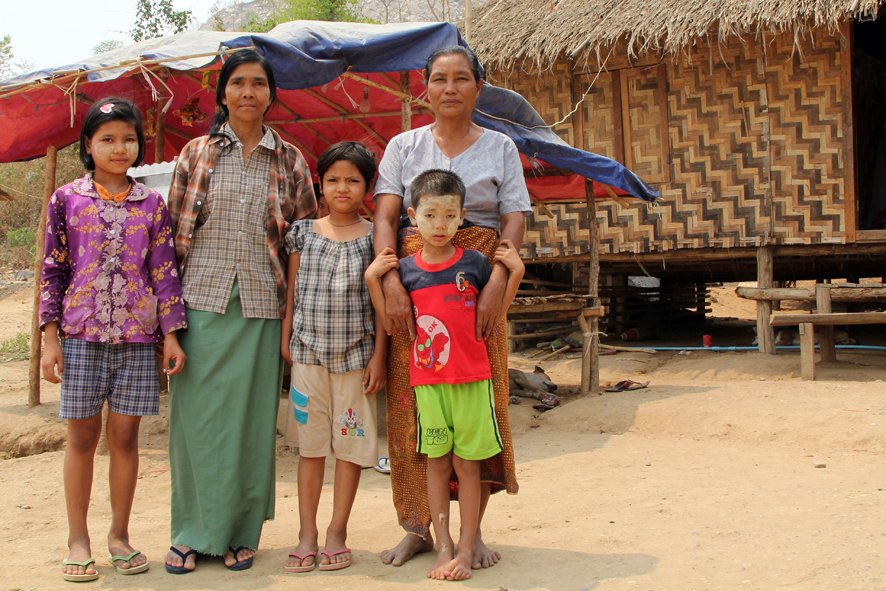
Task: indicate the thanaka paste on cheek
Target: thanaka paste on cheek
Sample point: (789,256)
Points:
(132,150)
(102,150)
(440,206)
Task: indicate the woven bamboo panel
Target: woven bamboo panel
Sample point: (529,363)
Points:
(645,104)
(549,91)
(599,114)
(563,235)
(805,109)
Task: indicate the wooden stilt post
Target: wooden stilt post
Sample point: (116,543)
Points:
(765,332)
(160,138)
(825,333)
(36,334)
(590,360)
(405,107)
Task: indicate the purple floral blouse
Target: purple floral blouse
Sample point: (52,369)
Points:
(109,271)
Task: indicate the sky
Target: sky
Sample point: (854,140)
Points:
(53,33)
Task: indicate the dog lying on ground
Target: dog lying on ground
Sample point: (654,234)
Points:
(535,385)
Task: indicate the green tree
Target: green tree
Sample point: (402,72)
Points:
(106,45)
(315,10)
(6,57)
(157,18)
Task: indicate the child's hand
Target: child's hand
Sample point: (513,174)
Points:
(384,262)
(52,354)
(284,344)
(173,352)
(375,375)
(508,256)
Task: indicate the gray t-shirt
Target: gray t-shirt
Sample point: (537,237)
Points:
(490,170)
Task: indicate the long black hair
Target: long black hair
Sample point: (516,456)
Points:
(103,111)
(468,54)
(237,59)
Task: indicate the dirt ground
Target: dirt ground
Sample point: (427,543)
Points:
(706,479)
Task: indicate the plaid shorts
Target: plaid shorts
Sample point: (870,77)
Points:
(125,374)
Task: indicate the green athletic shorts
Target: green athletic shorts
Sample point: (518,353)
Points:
(458,418)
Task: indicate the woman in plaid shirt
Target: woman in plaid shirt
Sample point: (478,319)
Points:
(233,196)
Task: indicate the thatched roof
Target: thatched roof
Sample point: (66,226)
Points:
(540,31)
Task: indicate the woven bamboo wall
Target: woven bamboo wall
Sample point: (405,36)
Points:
(753,148)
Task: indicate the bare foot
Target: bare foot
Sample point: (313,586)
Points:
(484,556)
(459,568)
(79,552)
(406,549)
(121,547)
(244,554)
(335,543)
(444,559)
(308,550)
(173,559)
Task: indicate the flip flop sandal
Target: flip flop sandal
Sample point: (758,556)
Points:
(626,385)
(79,578)
(336,565)
(181,570)
(384,465)
(132,570)
(301,568)
(240,564)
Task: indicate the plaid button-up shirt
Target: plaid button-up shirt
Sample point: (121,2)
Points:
(228,252)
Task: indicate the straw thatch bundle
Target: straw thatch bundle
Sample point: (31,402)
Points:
(506,32)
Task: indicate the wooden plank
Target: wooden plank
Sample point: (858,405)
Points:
(825,333)
(36,333)
(160,137)
(807,352)
(838,294)
(665,136)
(850,183)
(405,106)
(834,319)
(765,332)
(626,120)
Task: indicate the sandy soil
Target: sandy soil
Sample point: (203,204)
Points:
(704,480)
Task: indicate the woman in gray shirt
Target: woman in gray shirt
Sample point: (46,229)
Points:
(497,202)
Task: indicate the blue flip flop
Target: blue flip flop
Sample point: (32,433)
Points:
(243,564)
(181,570)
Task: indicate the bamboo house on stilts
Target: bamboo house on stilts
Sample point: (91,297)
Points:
(761,124)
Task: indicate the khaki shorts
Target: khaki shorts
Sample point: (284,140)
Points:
(459,418)
(332,415)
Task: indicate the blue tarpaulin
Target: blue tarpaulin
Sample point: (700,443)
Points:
(318,106)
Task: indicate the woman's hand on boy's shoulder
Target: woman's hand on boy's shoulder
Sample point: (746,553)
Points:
(384,262)
(508,256)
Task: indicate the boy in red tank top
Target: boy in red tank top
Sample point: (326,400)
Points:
(449,367)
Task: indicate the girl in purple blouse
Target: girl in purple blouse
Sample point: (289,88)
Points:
(109,292)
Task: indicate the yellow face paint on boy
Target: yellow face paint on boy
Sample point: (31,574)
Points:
(437,218)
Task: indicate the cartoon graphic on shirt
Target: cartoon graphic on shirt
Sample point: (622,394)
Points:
(461,283)
(351,423)
(431,349)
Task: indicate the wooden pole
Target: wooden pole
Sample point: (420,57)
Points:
(825,333)
(405,106)
(765,332)
(36,334)
(160,138)
(590,359)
